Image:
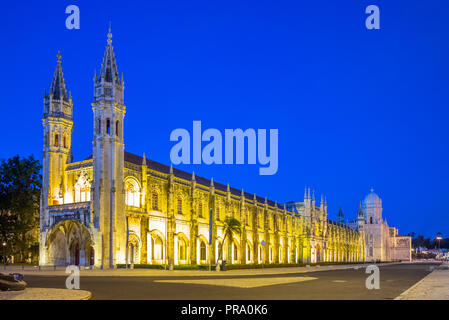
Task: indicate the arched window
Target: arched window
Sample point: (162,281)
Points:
(182,249)
(117,128)
(217,212)
(155,196)
(64,141)
(108,126)
(56,140)
(132,193)
(82,189)
(248,253)
(157,248)
(179,205)
(203,251)
(200,209)
(371,220)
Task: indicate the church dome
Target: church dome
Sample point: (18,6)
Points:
(372,199)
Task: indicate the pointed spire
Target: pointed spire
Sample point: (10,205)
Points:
(360,213)
(243,193)
(305,193)
(340,216)
(227,188)
(255,198)
(193,176)
(171,169)
(58,89)
(212,183)
(144,160)
(109,72)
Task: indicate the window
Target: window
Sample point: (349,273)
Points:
(200,209)
(56,140)
(82,189)
(155,207)
(64,141)
(108,126)
(248,254)
(157,248)
(132,193)
(202,251)
(371,220)
(99,126)
(179,205)
(182,249)
(117,128)
(217,213)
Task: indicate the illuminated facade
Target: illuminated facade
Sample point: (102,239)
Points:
(383,243)
(116,207)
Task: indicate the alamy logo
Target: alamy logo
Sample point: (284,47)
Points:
(73,280)
(212,153)
(373,281)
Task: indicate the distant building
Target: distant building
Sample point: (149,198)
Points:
(383,243)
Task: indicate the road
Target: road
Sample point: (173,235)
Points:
(329,284)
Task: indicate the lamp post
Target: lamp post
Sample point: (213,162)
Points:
(4,254)
(438,238)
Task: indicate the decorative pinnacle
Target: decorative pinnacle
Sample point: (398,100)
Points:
(109,34)
(59,57)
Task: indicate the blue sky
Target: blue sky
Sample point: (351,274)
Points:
(355,108)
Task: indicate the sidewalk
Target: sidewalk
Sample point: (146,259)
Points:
(50,271)
(45,294)
(434,286)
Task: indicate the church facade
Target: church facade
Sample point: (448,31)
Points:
(116,207)
(383,243)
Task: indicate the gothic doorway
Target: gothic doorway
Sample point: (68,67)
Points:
(75,253)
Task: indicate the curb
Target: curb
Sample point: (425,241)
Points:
(46,294)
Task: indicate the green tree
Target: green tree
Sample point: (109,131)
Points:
(231,226)
(20,184)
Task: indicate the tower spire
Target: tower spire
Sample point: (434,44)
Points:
(58,89)
(109,71)
(340,216)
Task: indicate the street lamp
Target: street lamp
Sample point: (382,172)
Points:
(4,253)
(439,237)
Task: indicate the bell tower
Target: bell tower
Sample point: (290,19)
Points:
(57,123)
(58,127)
(108,161)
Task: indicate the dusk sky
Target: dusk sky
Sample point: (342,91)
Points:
(356,109)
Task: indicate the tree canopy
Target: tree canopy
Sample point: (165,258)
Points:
(20,184)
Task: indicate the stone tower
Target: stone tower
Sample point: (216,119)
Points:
(108,160)
(57,152)
(58,127)
(360,218)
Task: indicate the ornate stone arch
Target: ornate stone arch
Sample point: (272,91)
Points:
(182,248)
(69,242)
(133,191)
(134,248)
